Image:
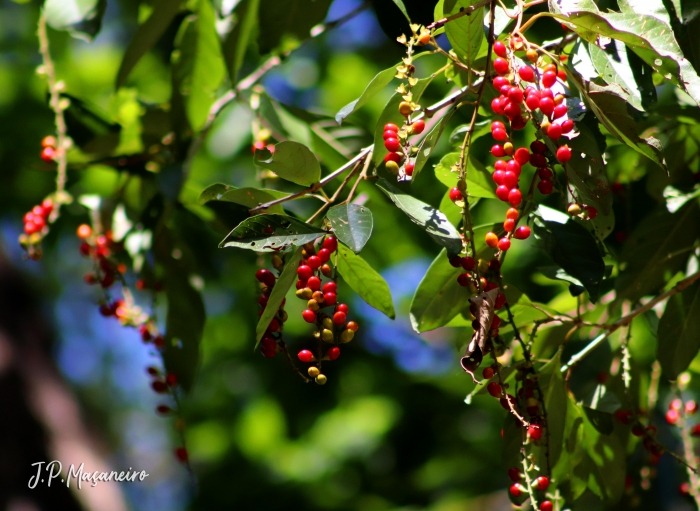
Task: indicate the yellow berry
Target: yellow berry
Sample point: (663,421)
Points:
(313,371)
(321,379)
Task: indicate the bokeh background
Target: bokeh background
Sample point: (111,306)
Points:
(390,430)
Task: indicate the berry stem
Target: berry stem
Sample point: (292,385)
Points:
(528,481)
(464,12)
(689,453)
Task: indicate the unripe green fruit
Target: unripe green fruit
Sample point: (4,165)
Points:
(321,379)
(304,293)
(313,305)
(392,167)
(327,335)
(347,336)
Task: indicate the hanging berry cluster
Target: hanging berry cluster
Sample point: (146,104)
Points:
(36,227)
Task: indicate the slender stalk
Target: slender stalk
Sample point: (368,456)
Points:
(528,482)
(466,11)
(625,320)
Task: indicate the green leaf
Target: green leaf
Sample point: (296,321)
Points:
(146,36)
(89,128)
(466,34)
(439,297)
(352,224)
(554,393)
(279,291)
(366,282)
(198,67)
(291,161)
(679,341)
(249,197)
(434,222)
(237,40)
(427,145)
(575,250)
(381,80)
(402,7)
(649,37)
(284,24)
(81,18)
(657,249)
(479,182)
(270,233)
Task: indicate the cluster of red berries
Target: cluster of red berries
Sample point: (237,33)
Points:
(167,384)
(527,400)
(676,409)
(333,326)
(48,149)
(518,493)
(649,442)
(397,150)
(36,227)
(269,344)
(259,145)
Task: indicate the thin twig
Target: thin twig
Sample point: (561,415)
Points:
(528,481)
(465,11)
(55,104)
(625,320)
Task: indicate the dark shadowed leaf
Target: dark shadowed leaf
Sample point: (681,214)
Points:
(284,24)
(679,341)
(291,161)
(81,18)
(164,12)
(434,222)
(270,233)
(365,281)
(554,392)
(249,197)
(237,40)
(479,182)
(402,7)
(352,224)
(574,249)
(279,291)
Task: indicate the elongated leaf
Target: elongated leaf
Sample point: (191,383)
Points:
(427,145)
(679,341)
(433,221)
(270,233)
(573,248)
(164,12)
(466,34)
(249,197)
(352,224)
(238,39)
(279,291)
(439,297)
(479,182)
(381,80)
(81,18)
(198,67)
(554,395)
(365,281)
(656,249)
(284,24)
(649,37)
(402,7)
(291,161)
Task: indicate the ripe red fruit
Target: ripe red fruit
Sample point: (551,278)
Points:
(567,126)
(468,263)
(163,409)
(389,134)
(545,173)
(331,244)
(497,125)
(342,308)
(329,299)
(522,233)
(306,356)
(532,101)
(497,151)
(499,135)
(503,245)
(502,192)
(534,431)
(545,186)
(500,49)
(339,318)
(512,110)
(408,168)
(514,167)
(549,78)
(509,225)
(515,94)
(181,454)
(464,279)
(538,147)
(499,82)
(49,141)
(514,474)
(546,505)
(494,389)
(497,106)
(324,254)
(418,127)
(554,131)
(564,154)
(522,156)
(391,127)
(515,197)
(526,73)
(314,283)
(84,231)
(541,483)
(48,154)
(695,430)
(159,386)
(592,212)
(510,179)
(538,160)
(352,326)
(547,106)
(333,353)
(330,287)
(624,416)
(455,194)
(560,111)
(304,272)
(500,301)
(561,74)
(392,144)
(691,407)
(500,65)
(314,262)
(309,316)
(455,261)
(498,177)
(395,157)
(516,490)
(672,416)
(488,373)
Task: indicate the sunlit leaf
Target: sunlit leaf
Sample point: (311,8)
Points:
(352,224)
(270,233)
(365,281)
(291,161)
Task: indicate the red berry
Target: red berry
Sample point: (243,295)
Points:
(339,318)
(499,134)
(560,111)
(163,409)
(514,167)
(691,407)
(518,122)
(545,186)
(545,173)
(391,127)
(324,254)
(491,239)
(500,65)
(592,212)
(395,157)
(314,262)
(342,308)
(329,299)
(514,474)
(84,249)
(534,431)
(516,95)
(561,74)
(500,301)
(309,316)
(494,389)
(258,145)
(455,261)
(503,244)
(49,141)
(159,386)
(509,225)
(352,326)
(464,279)
(672,416)
(522,156)
(538,147)
(624,416)
(567,126)
(549,78)
(181,454)
(314,283)
(526,73)
(304,272)
(510,179)
(515,197)
(408,168)
(331,244)
(512,110)
(538,160)
(497,151)
(330,287)
(547,106)
(500,49)
(498,177)
(392,144)
(455,194)
(546,505)
(499,82)
(488,373)
(564,154)
(695,430)
(418,127)
(48,154)
(502,192)
(306,356)
(333,353)
(497,106)
(389,134)
(533,102)
(468,263)
(541,483)
(516,490)
(522,233)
